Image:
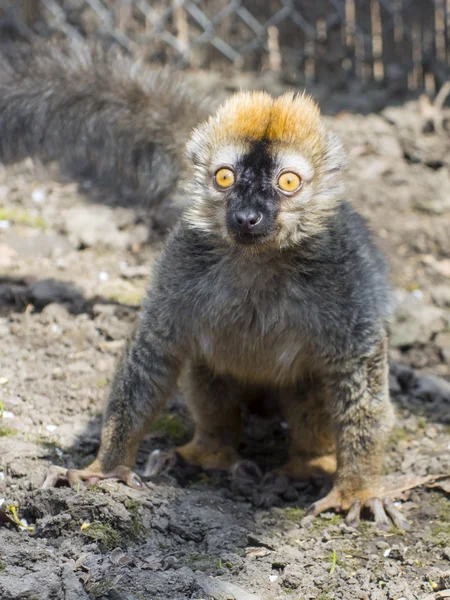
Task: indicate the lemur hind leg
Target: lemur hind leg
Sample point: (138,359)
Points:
(312,450)
(215,405)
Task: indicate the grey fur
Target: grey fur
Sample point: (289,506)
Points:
(103,117)
(313,313)
(329,295)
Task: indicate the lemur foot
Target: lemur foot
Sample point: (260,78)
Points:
(264,491)
(92,475)
(309,467)
(282,484)
(210,458)
(352,504)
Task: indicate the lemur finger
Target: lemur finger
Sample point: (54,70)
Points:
(330,502)
(397,518)
(75,477)
(274,487)
(353,516)
(246,470)
(55,474)
(127,476)
(277,482)
(245,477)
(377,508)
(160,462)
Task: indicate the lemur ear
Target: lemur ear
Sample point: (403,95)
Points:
(335,157)
(197,148)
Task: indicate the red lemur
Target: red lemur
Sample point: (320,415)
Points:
(269,278)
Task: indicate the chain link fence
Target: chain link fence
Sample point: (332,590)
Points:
(404,44)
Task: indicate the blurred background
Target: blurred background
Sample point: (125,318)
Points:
(381,48)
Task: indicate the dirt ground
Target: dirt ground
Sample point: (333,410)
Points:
(72,275)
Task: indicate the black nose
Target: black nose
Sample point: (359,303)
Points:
(247,220)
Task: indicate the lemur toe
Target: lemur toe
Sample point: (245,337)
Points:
(160,462)
(77,478)
(383,510)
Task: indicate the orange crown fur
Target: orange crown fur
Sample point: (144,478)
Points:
(293,119)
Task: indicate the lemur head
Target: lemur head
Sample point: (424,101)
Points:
(267,172)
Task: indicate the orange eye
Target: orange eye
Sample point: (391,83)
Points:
(289,182)
(224,178)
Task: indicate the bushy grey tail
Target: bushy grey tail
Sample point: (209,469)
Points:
(104,118)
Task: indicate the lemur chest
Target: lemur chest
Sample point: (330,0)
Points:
(255,337)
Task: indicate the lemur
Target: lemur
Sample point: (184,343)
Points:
(269,279)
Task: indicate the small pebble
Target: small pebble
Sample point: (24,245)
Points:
(51,428)
(5,224)
(103,276)
(38,195)
(273,578)
(24,525)
(3,380)
(7,414)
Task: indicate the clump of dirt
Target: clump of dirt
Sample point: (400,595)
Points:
(68,298)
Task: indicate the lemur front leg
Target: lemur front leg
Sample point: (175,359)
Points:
(363,417)
(146,376)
